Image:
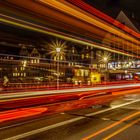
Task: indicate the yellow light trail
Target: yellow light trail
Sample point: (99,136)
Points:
(122,129)
(71,11)
(41,29)
(112,125)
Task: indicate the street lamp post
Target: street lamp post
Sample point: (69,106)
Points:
(58,58)
(105,58)
(57,51)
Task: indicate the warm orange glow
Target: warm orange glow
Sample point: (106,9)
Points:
(57,49)
(103,16)
(126,92)
(81,21)
(78,14)
(20,113)
(112,125)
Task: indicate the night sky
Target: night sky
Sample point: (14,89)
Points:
(112,7)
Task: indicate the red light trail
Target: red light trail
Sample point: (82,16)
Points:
(103,16)
(21,113)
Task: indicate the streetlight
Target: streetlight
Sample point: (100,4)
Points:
(57,50)
(104,58)
(106,67)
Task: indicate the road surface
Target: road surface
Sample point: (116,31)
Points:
(119,120)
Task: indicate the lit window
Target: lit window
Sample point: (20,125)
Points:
(87,55)
(82,72)
(72,50)
(24,74)
(82,56)
(86,72)
(38,60)
(95,66)
(77,72)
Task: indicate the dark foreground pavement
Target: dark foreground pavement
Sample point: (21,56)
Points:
(120,122)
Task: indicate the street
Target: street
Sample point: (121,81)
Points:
(69,70)
(117,120)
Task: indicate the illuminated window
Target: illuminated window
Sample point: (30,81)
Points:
(73,50)
(24,74)
(86,72)
(77,72)
(101,65)
(87,55)
(22,68)
(38,60)
(82,56)
(82,72)
(94,66)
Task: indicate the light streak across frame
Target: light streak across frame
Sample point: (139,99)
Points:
(92,10)
(31,26)
(73,12)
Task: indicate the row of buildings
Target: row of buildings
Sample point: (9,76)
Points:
(66,62)
(74,65)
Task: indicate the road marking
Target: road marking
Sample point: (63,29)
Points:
(33,132)
(106,119)
(114,107)
(111,126)
(132,108)
(43,129)
(122,129)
